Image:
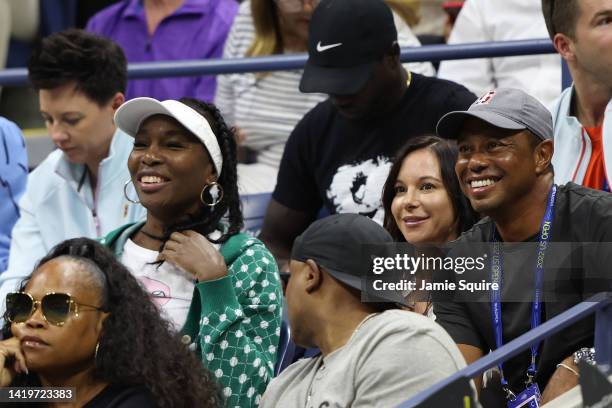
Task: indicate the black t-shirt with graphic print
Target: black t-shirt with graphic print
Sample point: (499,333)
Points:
(342,165)
(576,266)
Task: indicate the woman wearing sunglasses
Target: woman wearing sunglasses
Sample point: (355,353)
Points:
(82,320)
(217,284)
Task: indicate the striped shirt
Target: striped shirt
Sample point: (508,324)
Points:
(267,108)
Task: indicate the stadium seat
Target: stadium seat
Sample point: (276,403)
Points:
(253,211)
(286,347)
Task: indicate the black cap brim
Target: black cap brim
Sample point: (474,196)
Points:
(335,80)
(355,282)
(449,126)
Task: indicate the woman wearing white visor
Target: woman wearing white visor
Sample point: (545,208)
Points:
(221,286)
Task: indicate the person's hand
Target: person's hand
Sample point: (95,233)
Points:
(195,254)
(561,381)
(11,349)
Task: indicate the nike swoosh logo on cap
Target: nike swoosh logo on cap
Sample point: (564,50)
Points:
(322,48)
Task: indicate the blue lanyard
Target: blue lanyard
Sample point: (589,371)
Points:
(497,276)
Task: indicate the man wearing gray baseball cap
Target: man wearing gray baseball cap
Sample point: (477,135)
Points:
(505,108)
(504,168)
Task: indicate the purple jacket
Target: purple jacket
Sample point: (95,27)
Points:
(197,30)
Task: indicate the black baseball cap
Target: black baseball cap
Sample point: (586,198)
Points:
(336,243)
(346,38)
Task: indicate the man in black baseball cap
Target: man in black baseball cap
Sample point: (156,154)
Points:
(372,354)
(339,154)
(348,41)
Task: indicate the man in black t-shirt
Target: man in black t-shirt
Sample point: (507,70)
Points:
(504,168)
(339,154)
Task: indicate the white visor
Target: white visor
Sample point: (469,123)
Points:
(132,113)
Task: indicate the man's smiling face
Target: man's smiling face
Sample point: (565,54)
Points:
(495,166)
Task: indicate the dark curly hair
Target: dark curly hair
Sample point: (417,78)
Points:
(446,152)
(137,346)
(95,64)
(207,221)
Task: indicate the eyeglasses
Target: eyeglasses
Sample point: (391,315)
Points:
(295,6)
(55,307)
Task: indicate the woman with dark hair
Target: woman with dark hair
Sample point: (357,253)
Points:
(221,286)
(82,320)
(422,198)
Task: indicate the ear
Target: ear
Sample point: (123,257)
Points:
(212,175)
(117,101)
(543,156)
(314,276)
(392,58)
(100,324)
(564,46)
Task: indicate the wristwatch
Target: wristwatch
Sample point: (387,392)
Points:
(585,354)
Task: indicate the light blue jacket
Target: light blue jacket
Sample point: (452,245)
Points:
(13,178)
(58,204)
(573,145)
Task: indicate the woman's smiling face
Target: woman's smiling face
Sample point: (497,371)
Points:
(169,167)
(422,206)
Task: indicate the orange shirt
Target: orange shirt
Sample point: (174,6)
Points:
(595,176)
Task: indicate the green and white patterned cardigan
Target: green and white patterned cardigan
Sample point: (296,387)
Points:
(235,321)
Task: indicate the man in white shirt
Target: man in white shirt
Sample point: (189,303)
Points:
(581,31)
(503,20)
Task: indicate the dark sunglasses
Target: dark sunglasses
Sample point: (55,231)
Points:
(55,307)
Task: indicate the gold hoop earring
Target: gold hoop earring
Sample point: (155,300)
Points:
(219,197)
(125,186)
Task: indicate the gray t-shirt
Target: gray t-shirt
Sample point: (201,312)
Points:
(390,358)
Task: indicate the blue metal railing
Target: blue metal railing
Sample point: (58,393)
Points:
(18,76)
(600,304)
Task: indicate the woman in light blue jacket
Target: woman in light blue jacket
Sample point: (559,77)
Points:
(78,189)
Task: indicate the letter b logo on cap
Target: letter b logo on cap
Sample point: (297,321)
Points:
(485,99)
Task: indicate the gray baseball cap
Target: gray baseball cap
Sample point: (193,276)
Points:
(504,108)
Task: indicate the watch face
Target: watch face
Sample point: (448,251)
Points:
(585,354)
